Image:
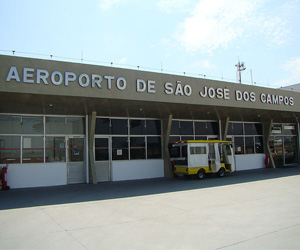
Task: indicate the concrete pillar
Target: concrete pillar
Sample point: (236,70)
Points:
(92,168)
(166,129)
(267,129)
(224,123)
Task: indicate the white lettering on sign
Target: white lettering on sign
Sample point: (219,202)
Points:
(211,92)
(169,88)
(276,99)
(245,96)
(186,90)
(142,86)
(57,78)
(28,75)
(109,78)
(121,86)
(69,77)
(96,80)
(84,80)
(13,75)
(151,87)
(42,74)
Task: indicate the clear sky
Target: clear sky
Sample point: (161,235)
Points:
(199,37)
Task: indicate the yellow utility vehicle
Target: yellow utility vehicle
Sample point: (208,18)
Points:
(202,157)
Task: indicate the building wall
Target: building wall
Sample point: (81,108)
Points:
(138,169)
(248,162)
(36,175)
(47,87)
(36,76)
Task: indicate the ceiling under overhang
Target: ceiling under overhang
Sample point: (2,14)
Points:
(60,105)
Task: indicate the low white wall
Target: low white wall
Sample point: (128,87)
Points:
(36,175)
(137,169)
(247,162)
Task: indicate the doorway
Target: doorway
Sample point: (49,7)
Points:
(75,160)
(102,158)
(284,150)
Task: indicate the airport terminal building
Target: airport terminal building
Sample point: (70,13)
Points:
(64,123)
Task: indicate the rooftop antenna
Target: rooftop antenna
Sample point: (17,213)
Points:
(240,67)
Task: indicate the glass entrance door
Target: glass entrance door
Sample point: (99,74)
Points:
(284,150)
(276,146)
(290,149)
(102,158)
(75,163)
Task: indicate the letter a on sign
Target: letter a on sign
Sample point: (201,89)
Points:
(13,75)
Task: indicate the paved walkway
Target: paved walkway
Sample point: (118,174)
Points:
(246,210)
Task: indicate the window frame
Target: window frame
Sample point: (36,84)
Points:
(43,133)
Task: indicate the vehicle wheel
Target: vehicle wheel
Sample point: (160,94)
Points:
(200,174)
(221,172)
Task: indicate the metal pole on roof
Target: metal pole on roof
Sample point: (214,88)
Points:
(240,67)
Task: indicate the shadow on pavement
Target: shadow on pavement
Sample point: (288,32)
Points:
(30,197)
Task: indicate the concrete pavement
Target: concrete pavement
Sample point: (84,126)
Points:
(246,210)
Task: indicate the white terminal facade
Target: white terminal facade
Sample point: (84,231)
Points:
(63,123)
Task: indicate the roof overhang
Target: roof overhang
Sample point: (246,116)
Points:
(35,86)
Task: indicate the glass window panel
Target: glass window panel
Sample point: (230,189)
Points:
(259,144)
(55,125)
(137,148)
(193,150)
(119,127)
(276,146)
(184,149)
(101,149)
(10,149)
(102,126)
(258,128)
(10,124)
(154,147)
(239,145)
(76,149)
(33,149)
(249,128)
(175,128)
(289,129)
(253,128)
(137,127)
(276,129)
(206,128)
(290,149)
(198,150)
(201,138)
(249,144)
(75,126)
(235,128)
(55,149)
(120,148)
(32,125)
(186,128)
(174,151)
(153,127)
(186,138)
